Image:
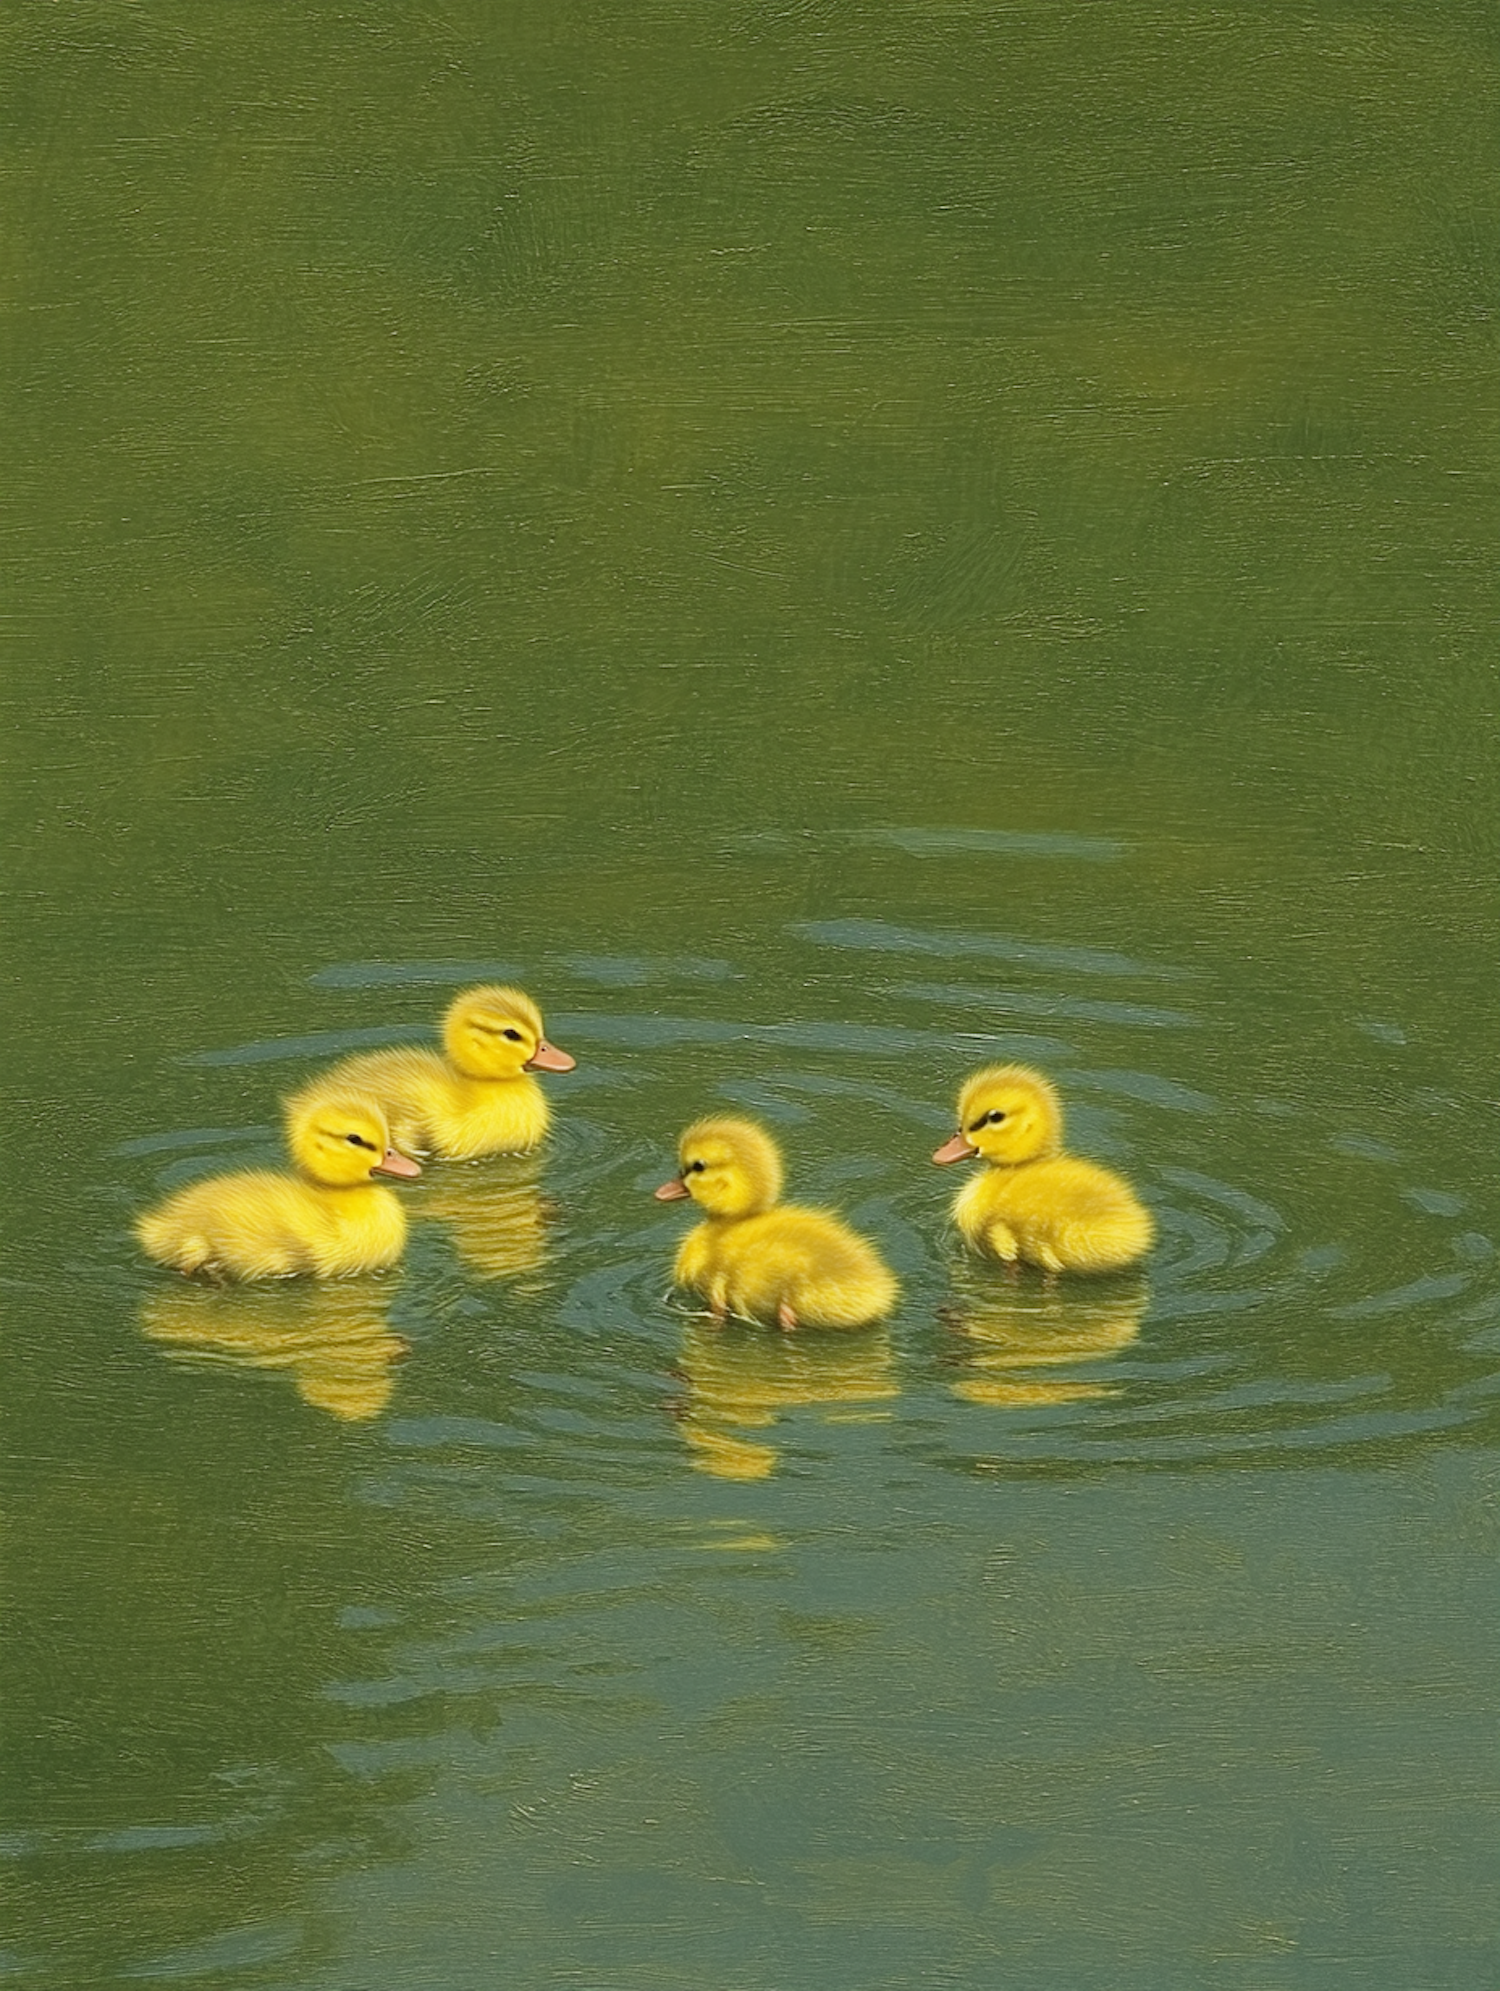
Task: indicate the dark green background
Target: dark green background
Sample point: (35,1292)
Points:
(834,542)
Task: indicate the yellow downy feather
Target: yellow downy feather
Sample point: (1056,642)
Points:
(1034,1202)
(764,1260)
(475,1097)
(329,1220)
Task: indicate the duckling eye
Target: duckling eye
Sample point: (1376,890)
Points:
(696,1167)
(996,1117)
(514,1036)
(355,1142)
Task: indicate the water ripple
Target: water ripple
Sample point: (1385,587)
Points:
(878,936)
(1269,1315)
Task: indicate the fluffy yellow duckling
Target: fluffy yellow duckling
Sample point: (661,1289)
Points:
(329,1219)
(801,1268)
(1034,1201)
(478,1097)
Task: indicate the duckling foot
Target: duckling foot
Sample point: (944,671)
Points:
(786,1318)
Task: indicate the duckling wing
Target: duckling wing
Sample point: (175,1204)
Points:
(830,1276)
(254,1225)
(1083,1216)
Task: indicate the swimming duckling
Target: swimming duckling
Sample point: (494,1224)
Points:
(1035,1202)
(802,1268)
(329,1219)
(478,1097)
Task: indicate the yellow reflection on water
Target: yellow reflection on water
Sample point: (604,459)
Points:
(331,1340)
(1013,1333)
(495,1214)
(741,1379)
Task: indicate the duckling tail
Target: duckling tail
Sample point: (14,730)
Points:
(161,1239)
(1107,1243)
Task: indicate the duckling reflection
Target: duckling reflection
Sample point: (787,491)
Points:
(333,1340)
(741,1379)
(495,1214)
(1013,1333)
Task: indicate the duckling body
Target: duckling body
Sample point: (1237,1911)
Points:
(475,1097)
(1034,1202)
(329,1220)
(764,1260)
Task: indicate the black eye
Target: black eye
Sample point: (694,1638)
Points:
(355,1142)
(996,1117)
(696,1167)
(514,1036)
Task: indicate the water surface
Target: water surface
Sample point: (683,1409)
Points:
(834,545)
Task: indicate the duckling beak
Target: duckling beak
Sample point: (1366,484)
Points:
(674,1191)
(547,1058)
(958,1149)
(391,1163)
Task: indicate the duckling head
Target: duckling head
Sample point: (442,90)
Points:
(729,1167)
(1007,1113)
(494,1032)
(340,1139)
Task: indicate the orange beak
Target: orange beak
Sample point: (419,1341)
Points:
(547,1058)
(391,1163)
(958,1149)
(674,1191)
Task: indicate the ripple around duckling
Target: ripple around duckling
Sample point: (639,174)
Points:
(849,1039)
(1253,1330)
(1274,1370)
(412,974)
(194,1137)
(634,971)
(913,842)
(314,1044)
(918,841)
(968,995)
(878,936)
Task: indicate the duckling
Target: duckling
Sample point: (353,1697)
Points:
(329,1219)
(1034,1202)
(478,1097)
(753,1258)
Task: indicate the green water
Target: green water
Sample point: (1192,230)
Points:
(834,543)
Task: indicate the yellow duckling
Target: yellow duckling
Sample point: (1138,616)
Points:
(329,1219)
(802,1268)
(1034,1201)
(478,1097)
